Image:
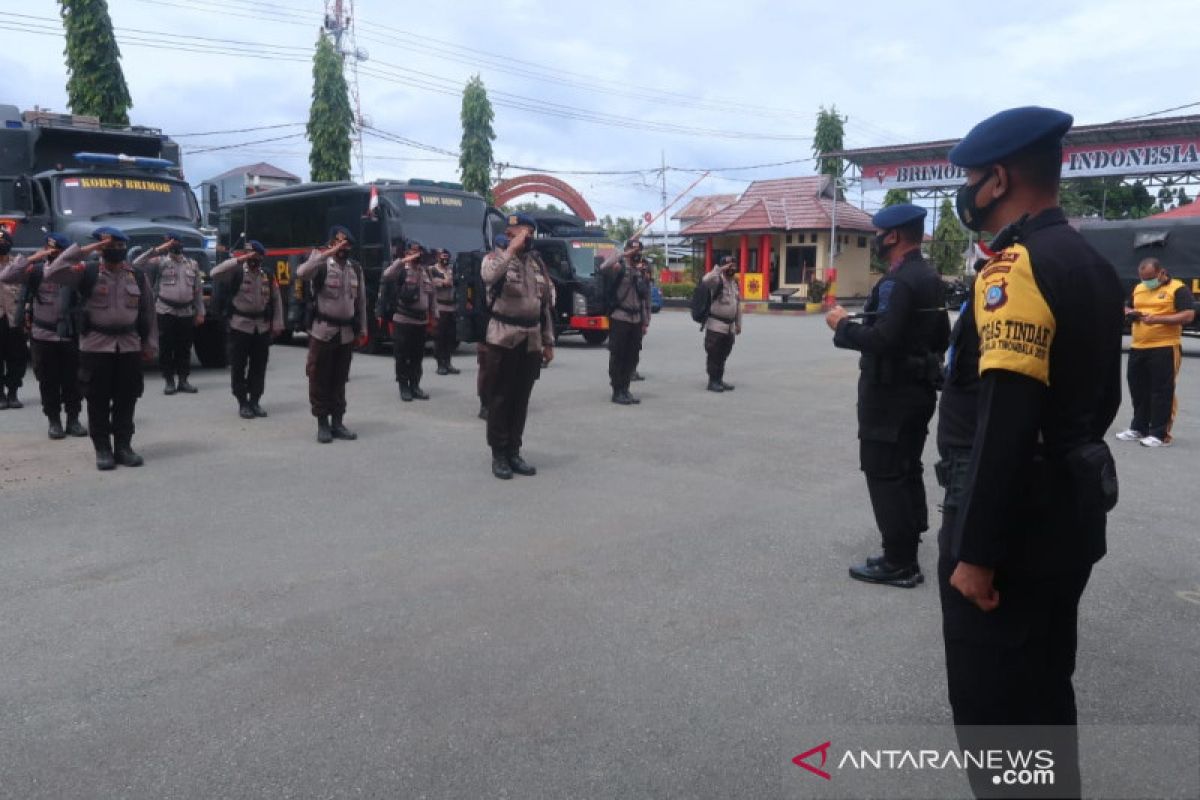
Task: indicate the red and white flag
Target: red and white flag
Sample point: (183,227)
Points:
(373,204)
(412,199)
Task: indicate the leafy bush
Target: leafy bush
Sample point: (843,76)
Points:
(677,289)
(816,290)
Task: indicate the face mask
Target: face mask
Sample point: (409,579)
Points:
(971,215)
(5,248)
(175,249)
(113,255)
(878,248)
(253,263)
(1152,284)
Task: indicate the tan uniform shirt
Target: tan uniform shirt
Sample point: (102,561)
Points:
(342,297)
(630,307)
(46,306)
(10,291)
(177,281)
(419,311)
(727,304)
(257,293)
(116,302)
(443,286)
(527,296)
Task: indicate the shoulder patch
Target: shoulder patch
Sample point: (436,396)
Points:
(885,294)
(1016,326)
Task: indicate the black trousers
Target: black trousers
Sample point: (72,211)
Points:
(481,378)
(13,355)
(446,335)
(248,353)
(112,384)
(624,352)
(56,367)
(1151,374)
(175,335)
(1013,667)
(328,370)
(896,486)
(408,348)
(511,373)
(718,346)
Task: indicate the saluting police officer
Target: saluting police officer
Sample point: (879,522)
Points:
(119,331)
(446,334)
(629,319)
(902,341)
(255,316)
(179,303)
(13,353)
(339,323)
(1026,505)
(724,322)
(54,342)
(520,338)
(415,305)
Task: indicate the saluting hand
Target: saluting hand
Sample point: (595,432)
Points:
(976,583)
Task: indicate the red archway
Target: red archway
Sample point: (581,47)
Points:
(505,191)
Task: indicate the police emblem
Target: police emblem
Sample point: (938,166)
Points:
(995,296)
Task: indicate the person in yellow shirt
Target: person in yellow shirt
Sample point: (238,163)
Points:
(1159,307)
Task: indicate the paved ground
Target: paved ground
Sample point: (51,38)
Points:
(663,612)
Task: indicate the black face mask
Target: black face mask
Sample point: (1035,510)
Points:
(971,215)
(254,263)
(175,249)
(5,248)
(113,255)
(878,249)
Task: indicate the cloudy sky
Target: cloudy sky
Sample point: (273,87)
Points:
(613,87)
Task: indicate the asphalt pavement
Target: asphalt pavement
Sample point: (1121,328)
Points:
(663,611)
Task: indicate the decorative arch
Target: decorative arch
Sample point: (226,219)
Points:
(505,191)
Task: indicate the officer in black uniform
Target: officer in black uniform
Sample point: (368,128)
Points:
(902,340)
(1034,381)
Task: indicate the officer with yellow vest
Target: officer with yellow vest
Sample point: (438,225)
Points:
(1158,309)
(1025,513)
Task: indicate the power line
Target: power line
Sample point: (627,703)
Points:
(236,130)
(215,148)
(1163,111)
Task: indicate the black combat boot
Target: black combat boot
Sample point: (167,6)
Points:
(340,431)
(621,397)
(417,393)
(501,468)
(716,386)
(442,369)
(75,427)
(636,376)
(4,401)
(256,409)
(406,392)
(483,410)
(729,387)
(13,402)
(518,465)
(451,369)
(633,401)
(244,409)
(104,457)
(880,570)
(169,385)
(186,387)
(125,456)
(324,432)
(55,431)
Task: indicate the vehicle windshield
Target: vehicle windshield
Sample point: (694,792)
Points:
(98,196)
(436,220)
(587,254)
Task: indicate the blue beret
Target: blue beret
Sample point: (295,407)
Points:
(521,219)
(501,241)
(1009,132)
(257,247)
(108,230)
(342,229)
(895,216)
(60,240)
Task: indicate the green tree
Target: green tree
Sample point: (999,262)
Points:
(1183,197)
(528,207)
(330,120)
(619,229)
(95,83)
(475,159)
(949,241)
(895,197)
(1111,197)
(829,137)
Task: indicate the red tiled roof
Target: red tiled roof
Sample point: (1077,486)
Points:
(704,206)
(1192,209)
(783,204)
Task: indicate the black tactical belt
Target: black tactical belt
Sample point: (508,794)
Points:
(519,322)
(263,315)
(46,326)
(340,321)
(726,320)
(418,315)
(112,330)
(174,304)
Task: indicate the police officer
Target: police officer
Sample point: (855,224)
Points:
(629,318)
(179,303)
(446,334)
(902,342)
(255,315)
(119,331)
(339,323)
(13,352)
(415,306)
(724,323)
(54,342)
(1025,511)
(520,338)
(477,308)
